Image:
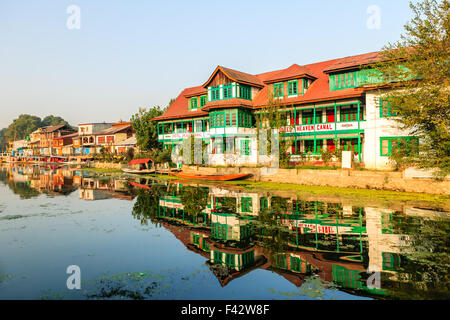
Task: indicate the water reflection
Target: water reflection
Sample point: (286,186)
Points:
(297,237)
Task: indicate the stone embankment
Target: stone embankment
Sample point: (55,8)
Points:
(343,178)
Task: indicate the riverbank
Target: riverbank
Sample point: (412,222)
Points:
(338,178)
(341,178)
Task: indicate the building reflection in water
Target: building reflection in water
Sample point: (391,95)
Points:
(240,231)
(295,236)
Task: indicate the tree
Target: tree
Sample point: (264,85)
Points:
(22,127)
(25,124)
(146,129)
(421,60)
(3,140)
(53,121)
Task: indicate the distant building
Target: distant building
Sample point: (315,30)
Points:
(87,133)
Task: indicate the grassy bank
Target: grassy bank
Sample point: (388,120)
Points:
(103,170)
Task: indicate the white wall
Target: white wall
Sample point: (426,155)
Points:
(376,127)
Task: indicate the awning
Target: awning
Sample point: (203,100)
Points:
(138,161)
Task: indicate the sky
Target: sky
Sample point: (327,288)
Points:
(112,58)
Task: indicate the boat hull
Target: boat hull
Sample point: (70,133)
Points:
(227,177)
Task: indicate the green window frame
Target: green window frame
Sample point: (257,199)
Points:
(194,103)
(292,87)
(308,117)
(246,147)
(248,258)
(227,91)
(215,93)
(230,259)
(203,100)
(278,90)
(386,108)
(196,239)
(245,92)
(349,144)
(305,84)
(218,256)
(205,245)
(246,204)
(280,261)
(351,114)
(387,144)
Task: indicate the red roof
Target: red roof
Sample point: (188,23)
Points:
(179,108)
(138,161)
(318,90)
(293,71)
(354,61)
(236,76)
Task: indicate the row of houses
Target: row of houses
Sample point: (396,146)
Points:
(86,140)
(323,106)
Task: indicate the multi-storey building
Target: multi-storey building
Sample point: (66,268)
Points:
(46,135)
(111,137)
(322,106)
(87,136)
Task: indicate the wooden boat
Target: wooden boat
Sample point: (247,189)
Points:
(225,177)
(143,171)
(140,166)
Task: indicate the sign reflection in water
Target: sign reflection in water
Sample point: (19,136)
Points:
(296,236)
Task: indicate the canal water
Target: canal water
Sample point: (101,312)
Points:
(148,238)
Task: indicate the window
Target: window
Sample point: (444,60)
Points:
(230,260)
(215,93)
(292,87)
(351,114)
(246,204)
(227,94)
(233,119)
(193,103)
(248,258)
(196,238)
(305,84)
(308,117)
(386,109)
(245,147)
(349,144)
(392,144)
(217,256)
(244,92)
(278,90)
(203,100)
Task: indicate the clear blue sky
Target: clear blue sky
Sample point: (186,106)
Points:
(130,54)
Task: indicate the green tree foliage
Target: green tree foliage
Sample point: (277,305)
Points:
(25,124)
(423,100)
(194,200)
(53,121)
(3,140)
(22,127)
(146,129)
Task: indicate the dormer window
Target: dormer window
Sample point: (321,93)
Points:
(305,84)
(193,103)
(203,101)
(278,90)
(292,87)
